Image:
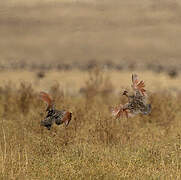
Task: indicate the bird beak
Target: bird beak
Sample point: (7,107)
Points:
(123,93)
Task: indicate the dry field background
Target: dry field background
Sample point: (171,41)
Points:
(73,81)
(83,53)
(77,31)
(94,145)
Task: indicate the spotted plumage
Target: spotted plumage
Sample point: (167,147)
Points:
(137,103)
(53,115)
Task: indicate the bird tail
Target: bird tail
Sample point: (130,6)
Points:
(67,118)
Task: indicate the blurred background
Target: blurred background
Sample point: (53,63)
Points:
(83,53)
(62,39)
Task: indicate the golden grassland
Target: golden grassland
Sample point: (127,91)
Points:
(94,145)
(39,39)
(74,80)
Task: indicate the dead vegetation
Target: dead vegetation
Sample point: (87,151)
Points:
(61,40)
(95,145)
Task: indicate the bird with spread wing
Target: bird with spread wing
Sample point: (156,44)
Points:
(53,115)
(137,103)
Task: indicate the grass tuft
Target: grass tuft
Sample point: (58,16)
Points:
(95,145)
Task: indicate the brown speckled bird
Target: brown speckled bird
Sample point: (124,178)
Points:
(53,115)
(137,103)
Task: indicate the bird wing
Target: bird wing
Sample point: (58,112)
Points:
(45,97)
(120,112)
(117,110)
(138,86)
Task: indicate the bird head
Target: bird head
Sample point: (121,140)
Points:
(125,93)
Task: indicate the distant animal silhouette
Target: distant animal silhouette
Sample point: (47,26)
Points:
(137,103)
(53,115)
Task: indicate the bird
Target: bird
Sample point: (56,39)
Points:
(53,115)
(137,103)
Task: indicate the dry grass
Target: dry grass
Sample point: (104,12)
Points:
(95,145)
(41,38)
(77,79)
